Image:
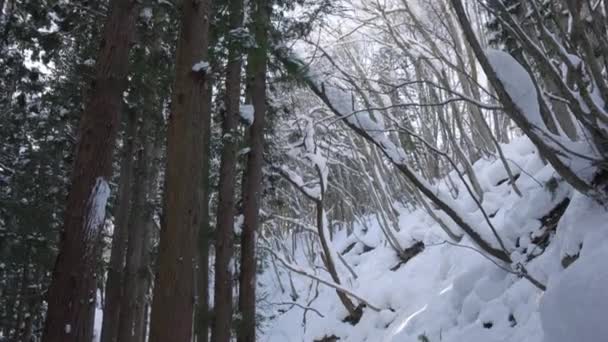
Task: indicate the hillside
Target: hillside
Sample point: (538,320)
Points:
(451,292)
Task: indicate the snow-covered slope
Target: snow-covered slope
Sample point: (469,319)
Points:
(452,292)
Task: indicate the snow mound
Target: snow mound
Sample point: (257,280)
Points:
(575,304)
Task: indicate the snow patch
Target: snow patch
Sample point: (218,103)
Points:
(97,202)
(247,113)
(201,66)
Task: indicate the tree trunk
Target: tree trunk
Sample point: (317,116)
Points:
(114,284)
(204,234)
(173,303)
(253,187)
(137,237)
(226,210)
(330,262)
(143,276)
(154,154)
(71,296)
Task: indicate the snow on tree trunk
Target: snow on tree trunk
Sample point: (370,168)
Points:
(98,199)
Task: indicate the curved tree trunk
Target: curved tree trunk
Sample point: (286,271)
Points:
(330,263)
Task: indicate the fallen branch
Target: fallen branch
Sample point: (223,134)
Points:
(305,308)
(305,273)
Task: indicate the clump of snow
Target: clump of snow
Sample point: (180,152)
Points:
(518,84)
(238,224)
(201,66)
(247,113)
(146,13)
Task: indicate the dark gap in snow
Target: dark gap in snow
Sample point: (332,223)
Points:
(515,177)
(512,320)
(492,215)
(423,338)
(548,227)
(332,338)
(550,220)
(488,325)
(408,254)
(569,259)
(366,249)
(348,248)
(600,180)
(356,316)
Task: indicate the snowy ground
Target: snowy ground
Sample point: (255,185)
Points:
(453,293)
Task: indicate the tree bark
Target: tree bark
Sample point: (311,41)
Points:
(203,318)
(330,262)
(224,248)
(253,186)
(143,279)
(173,303)
(137,235)
(71,296)
(114,284)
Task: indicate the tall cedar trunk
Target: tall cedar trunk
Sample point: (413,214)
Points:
(225,212)
(114,284)
(143,279)
(202,307)
(137,235)
(253,187)
(154,141)
(173,303)
(153,150)
(203,314)
(71,296)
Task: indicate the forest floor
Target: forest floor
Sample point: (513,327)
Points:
(451,292)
